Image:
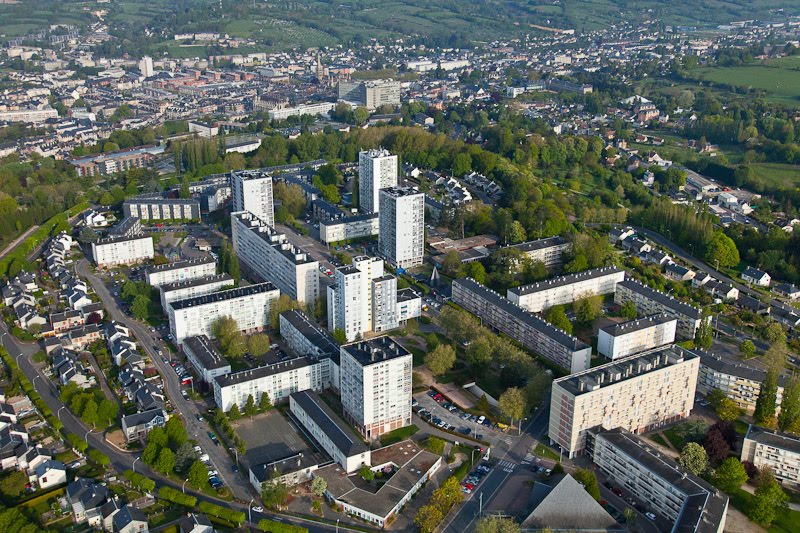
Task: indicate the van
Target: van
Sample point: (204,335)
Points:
(204,457)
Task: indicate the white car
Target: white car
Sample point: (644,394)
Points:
(650,516)
(258,509)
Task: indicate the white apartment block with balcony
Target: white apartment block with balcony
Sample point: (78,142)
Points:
(542,295)
(548,251)
(122,250)
(683,501)
(248,306)
(628,338)
(650,301)
(401,236)
(739,382)
(534,333)
(269,254)
(183,290)
(252,191)
(638,393)
(778,451)
(376,386)
(347,302)
(377,169)
(181,271)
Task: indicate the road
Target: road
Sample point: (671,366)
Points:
(13,244)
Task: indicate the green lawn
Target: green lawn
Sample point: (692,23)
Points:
(544,451)
(778,80)
(659,439)
(398,435)
(786,522)
(777,175)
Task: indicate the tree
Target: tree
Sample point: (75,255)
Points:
(589,481)
(319,486)
(165,462)
(496,524)
(107,411)
(227,331)
(769,499)
(704,337)
(281,305)
(789,418)
(428,518)
(774,334)
(557,317)
(722,249)
(250,408)
(366,473)
(588,308)
(89,412)
(747,348)
(274,494)
(339,336)
(141,307)
(185,456)
(764,413)
(512,403)
(730,475)
(693,458)
(184,191)
(717,449)
(176,432)
(139,482)
(99,458)
(628,310)
(150,453)
(234,414)
(441,359)
(630,518)
(258,344)
(198,475)
(264,404)
(451,263)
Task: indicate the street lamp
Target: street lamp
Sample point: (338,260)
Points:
(33,384)
(183,486)
(133,466)
(337,525)
(58,413)
(235,451)
(86,437)
(249,510)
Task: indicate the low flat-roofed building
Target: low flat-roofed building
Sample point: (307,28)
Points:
(410,467)
(205,358)
(192,288)
(686,501)
(542,295)
(628,338)
(338,440)
(779,451)
(548,251)
(638,393)
(650,301)
(116,251)
(531,331)
(183,270)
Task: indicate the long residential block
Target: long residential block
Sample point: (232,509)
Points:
(160,208)
(628,338)
(779,452)
(740,382)
(638,393)
(348,228)
(270,255)
(248,306)
(548,251)
(205,358)
(542,295)
(650,301)
(122,250)
(535,334)
(687,502)
(183,290)
(181,270)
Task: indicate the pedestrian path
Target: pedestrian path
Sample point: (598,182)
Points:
(507,466)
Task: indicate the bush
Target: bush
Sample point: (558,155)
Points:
(235,517)
(139,482)
(278,527)
(176,496)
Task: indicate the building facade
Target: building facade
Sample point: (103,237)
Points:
(115,251)
(252,191)
(183,290)
(248,306)
(534,333)
(540,296)
(271,256)
(739,382)
(779,452)
(205,358)
(371,94)
(377,169)
(650,301)
(160,208)
(548,251)
(401,234)
(183,270)
(376,386)
(628,338)
(349,228)
(638,393)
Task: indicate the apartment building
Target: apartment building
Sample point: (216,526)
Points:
(252,191)
(159,208)
(778,451)
(638,393)
(113,162)
(329,431)
(540,296)
(371,94)
(347,302)
(377,169)
(205,358)
(277,380)
(384,303)
(628,338)
(248,306)
(376,386)
(684,501)
(739,382)
(303,336)
(349,228)
(183,290)
(28,115)
(401,234)
(650,301)
(535,334)
(269,254)
(548,251)
(313,109)
(181,271)
(116,251)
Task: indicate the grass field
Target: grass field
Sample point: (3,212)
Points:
(777,175)
(779,79)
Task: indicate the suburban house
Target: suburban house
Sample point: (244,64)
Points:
(755,276)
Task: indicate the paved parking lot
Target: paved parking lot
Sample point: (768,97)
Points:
(454,419)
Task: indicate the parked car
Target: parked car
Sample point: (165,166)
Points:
(650,516)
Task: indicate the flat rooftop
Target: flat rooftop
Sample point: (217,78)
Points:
(228,294)
(658,296)
(563,281)
(273,238)
(616,330)
(340,434)
(519,314)
(769,437)
(176,265)
(122,238)
(271,369)
(196,282)
(398,192)
(205,352)
(375,350)
(317,336)
(540,244)
(624,369)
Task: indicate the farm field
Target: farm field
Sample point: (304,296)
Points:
(779,79)
(780,176)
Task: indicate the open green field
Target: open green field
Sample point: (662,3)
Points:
(777,175)
(779,79)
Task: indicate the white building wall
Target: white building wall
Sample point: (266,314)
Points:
(184,273)
(377,169)
(122,252)
(252,191)
(401,238)
(277,386)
